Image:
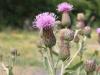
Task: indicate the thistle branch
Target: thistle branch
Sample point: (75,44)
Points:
(80,48)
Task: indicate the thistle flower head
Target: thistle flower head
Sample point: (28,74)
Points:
(98,30)
(67,34)
(80,16)
(45,20)
(87,31)
(90,65)
(14,52)
(64,7)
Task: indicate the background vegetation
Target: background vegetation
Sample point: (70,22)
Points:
(15,12)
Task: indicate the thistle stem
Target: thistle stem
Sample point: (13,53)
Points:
(80,48)
(62,69)
(52,61)
(90,73)
(50,66)
(72,59)
(78,71)
(51,56)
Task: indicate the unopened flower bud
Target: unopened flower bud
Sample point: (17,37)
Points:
(87,31)
(14,52)
(64,51)
(90,66)
(80,21)
(80,17)
(67,34)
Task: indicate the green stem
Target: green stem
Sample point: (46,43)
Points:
(52,61)
(56,64)
(74,56)
(50,66)
(78,71)
(80,48)
(62,69)
(51,56)
(90,73)
(47,61)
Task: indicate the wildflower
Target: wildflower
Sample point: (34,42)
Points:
(45,22)
(64,7)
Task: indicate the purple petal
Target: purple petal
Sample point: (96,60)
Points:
(45,20)
(64,7)
(98,30)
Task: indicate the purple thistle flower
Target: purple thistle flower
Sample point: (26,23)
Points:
(45,20)
(98,30)
(64,7)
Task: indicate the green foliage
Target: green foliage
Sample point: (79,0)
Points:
(75,66)
(14,12)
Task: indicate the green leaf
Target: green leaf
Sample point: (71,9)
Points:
(76,66)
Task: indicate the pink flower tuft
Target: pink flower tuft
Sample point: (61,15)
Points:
(64,7)
(98,30)
(45,20)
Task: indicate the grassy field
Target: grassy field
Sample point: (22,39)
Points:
(25,43)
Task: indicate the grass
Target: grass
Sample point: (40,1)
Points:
(25,43)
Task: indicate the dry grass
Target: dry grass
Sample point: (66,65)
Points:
(25,43)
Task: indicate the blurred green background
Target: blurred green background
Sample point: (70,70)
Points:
(16,13)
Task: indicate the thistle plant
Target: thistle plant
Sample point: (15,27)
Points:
(10,64)
(46,22)
(66,35)
(14,54)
